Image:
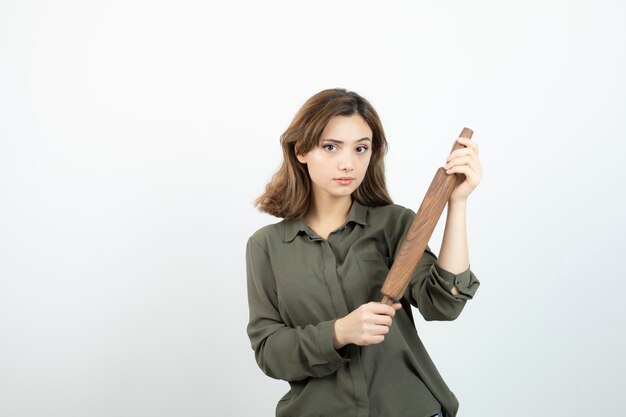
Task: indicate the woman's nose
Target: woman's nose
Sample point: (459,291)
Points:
(347,163)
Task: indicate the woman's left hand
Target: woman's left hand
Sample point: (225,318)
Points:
(464,161)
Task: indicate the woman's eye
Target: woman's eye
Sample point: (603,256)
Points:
(324,146)
(364,149)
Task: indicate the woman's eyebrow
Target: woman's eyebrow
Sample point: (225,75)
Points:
(338,141)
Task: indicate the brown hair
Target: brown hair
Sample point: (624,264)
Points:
(288,193)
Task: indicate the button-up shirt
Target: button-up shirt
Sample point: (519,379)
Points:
(299,284)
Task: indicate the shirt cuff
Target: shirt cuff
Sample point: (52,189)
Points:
(326,346)
(461,280)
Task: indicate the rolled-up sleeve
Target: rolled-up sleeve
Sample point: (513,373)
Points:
(283,352)
(430,288)
(466,282)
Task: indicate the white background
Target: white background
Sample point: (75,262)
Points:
(135,135)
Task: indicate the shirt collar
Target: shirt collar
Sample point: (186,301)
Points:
(357,214)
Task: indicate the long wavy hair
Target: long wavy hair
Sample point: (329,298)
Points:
(288,194)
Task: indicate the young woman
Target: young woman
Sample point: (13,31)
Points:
(314,278)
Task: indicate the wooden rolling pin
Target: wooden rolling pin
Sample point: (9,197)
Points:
(415,241)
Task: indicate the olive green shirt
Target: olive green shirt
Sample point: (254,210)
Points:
(299,284)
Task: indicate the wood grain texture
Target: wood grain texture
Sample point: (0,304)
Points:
(421,229)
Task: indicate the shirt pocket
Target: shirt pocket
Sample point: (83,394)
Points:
(374,268)
(303,296)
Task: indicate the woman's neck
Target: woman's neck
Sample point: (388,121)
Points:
(326,211)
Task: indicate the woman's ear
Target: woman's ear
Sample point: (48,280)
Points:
(300,156)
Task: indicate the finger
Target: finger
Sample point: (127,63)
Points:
(380,308)
(374,340)
(460,152)
(461,169)
(468,142)
(379,329)
(472,163)
(382,320)
(463,160)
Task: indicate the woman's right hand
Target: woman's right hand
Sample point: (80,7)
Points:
(367,325)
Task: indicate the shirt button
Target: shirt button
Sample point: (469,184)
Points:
(456,281)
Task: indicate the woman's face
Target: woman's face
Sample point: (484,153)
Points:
(344,150)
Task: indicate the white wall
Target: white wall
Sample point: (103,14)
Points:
(134,136)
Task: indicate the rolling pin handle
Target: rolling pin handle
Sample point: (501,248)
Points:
(387,300)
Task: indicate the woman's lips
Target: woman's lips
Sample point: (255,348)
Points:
(346,181)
